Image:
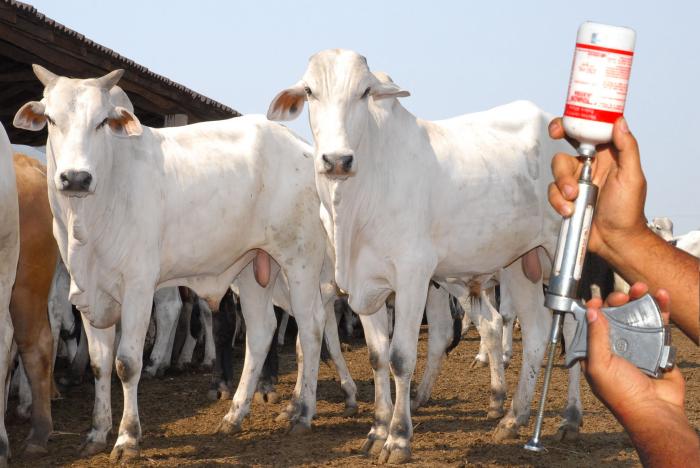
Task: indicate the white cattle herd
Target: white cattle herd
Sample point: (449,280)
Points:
(383,203)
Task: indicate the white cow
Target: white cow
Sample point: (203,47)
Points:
(118,191)
(406,200)
(689,242)
(9,253)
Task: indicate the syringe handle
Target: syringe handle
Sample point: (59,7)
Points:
(637,333)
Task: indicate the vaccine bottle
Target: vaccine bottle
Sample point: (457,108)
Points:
(598,85)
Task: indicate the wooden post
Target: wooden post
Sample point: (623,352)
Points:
(175,120)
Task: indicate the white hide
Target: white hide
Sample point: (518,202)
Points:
(9,253)
(182,206)
(450,200)
(690,243)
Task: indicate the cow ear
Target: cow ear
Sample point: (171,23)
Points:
(387,89)
(123,123)
(287,105)
(30,116)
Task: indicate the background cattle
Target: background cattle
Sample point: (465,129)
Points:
(29,299)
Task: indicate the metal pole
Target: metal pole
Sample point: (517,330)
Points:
(535,444)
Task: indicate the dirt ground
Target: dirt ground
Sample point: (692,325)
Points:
(179,422)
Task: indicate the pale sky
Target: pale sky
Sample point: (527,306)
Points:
(454,57)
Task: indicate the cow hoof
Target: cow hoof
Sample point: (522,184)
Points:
(345,347)
(395,456)
(504,432)
(259,398)
(372,446)
(124,453)
(495,413)
(90,448)
(568,431)
(206,366)
(350,411)
(3,462)
(273,398)
(34,450)
(298,428)
(213,395)
(284,416)
(228,428)
(225,395)
(478,363)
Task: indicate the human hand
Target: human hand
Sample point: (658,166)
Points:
(617,172)
(633,397)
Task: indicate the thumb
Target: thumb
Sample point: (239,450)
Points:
(599,353)
(626,144)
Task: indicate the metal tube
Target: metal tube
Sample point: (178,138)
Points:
(535,444)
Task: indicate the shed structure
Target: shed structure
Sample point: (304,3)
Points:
(27,36)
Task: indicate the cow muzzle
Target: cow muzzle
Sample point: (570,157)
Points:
(338,164)
(75,182)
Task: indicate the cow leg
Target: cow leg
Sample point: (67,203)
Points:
(6,332)
(36,349)
(282,330)
(491,328)
(167,310)
(507,342)
(261,322)
(527,300)
(24,393)
(135,316)
(333,345)
(265,390)
(185,356)
(440,335)
(223,324)
(101,345)
(81,358)
(410,302)
(309,314)
(206,317)
(376,329)
(572,421)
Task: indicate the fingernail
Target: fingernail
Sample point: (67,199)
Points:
(623,125)
(591,315)
(553,126)
(567,209)
(569,191)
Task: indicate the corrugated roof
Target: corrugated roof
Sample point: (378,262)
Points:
(127,63)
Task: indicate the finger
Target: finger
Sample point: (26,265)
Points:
(616,299)
(663,299)
(565,169)
(556,132)
(599,353)
(637,290)
(558,202)
(595,303)
(626,144)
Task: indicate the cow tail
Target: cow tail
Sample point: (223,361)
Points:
(457,314)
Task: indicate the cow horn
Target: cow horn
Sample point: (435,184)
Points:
(110,79)
(46,77)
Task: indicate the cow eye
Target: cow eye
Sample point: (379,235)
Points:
(307,90)
(102,124)
(366,93)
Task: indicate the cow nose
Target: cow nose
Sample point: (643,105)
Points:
(337,164)
(75,181)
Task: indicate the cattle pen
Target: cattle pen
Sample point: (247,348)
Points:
(188,414)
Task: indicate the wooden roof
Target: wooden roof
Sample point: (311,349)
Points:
(27,36)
